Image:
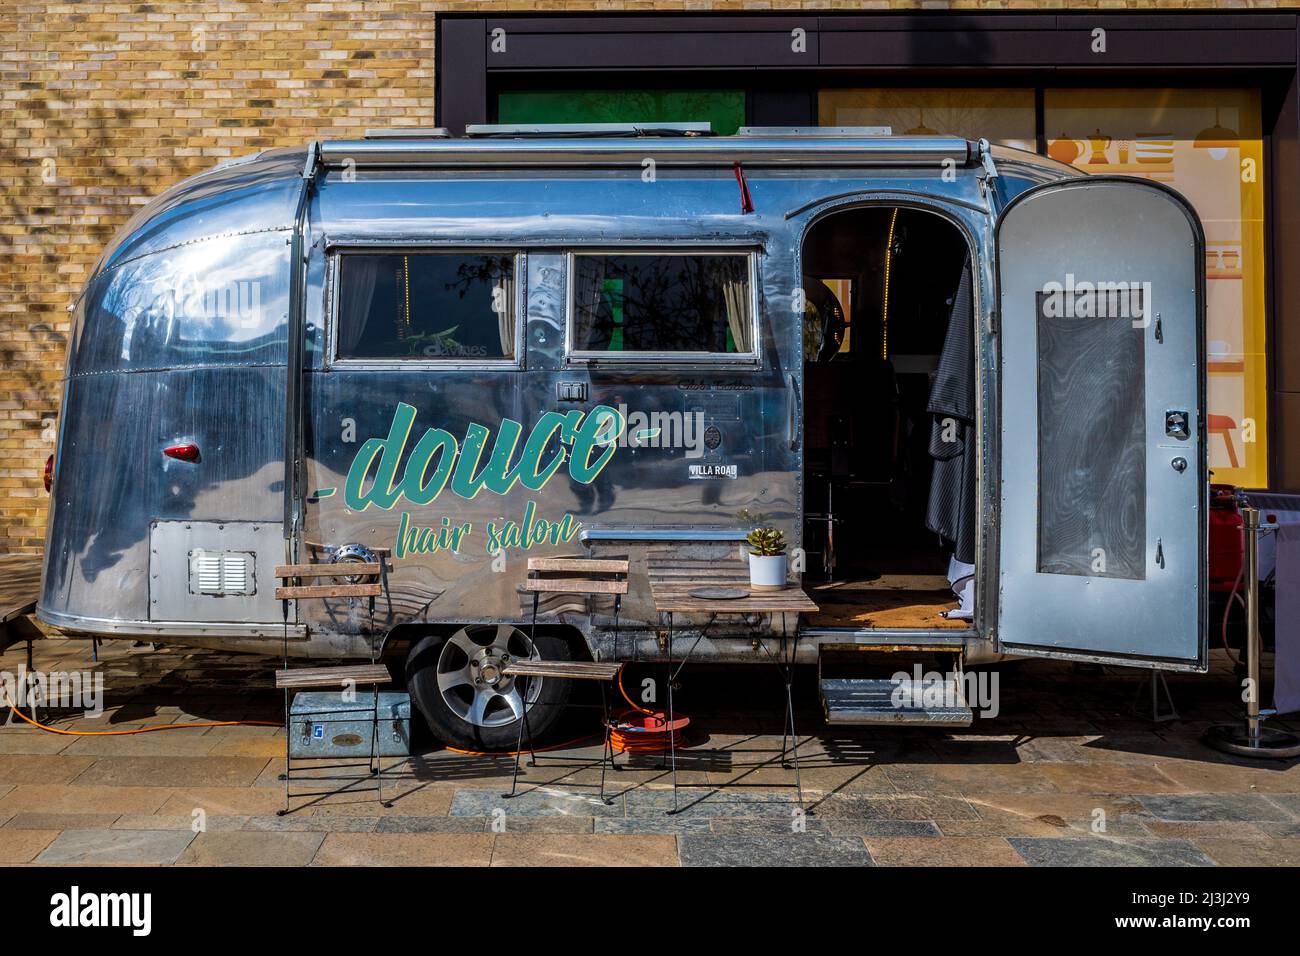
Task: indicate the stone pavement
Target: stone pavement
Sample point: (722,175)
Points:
(1066,774)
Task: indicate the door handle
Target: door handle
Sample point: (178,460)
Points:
(1179,465)
(792,423)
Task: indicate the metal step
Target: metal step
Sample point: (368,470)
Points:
(905,703)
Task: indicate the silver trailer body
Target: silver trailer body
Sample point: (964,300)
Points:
(191,327)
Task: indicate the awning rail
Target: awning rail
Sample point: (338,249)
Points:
(720,152)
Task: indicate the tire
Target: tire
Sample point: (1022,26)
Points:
(482,715)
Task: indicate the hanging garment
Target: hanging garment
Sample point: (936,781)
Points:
(953,509)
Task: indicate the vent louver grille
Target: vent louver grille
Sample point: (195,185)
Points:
(221,572)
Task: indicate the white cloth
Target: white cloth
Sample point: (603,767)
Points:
(962,578)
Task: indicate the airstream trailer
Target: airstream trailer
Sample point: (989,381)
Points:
(452,354)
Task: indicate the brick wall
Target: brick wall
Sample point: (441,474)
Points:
(107,104)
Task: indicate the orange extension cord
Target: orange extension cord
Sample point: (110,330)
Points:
(651,735)
(138,730)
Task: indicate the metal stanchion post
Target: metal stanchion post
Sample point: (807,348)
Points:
(1254,739)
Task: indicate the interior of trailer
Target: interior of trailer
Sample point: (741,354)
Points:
(881,284)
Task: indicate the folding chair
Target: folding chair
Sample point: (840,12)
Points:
(588,576)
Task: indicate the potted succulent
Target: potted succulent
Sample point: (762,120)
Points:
(767,559)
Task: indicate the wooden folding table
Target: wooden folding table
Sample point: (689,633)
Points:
(672,583)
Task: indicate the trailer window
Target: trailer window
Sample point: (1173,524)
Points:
(659,303)
(431,306)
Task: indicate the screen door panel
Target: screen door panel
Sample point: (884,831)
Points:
(1091,447)
(1101,506)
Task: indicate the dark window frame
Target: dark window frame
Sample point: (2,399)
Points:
(338,250)
(576,357)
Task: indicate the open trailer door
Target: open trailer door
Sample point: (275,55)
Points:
(1102,427)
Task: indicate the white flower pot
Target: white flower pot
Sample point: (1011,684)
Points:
(767,572)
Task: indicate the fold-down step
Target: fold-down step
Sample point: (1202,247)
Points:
(934,700)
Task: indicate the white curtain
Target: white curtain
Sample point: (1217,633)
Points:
(736,296)
(505,317)
(358,277)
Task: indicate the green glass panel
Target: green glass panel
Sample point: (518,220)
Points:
(725,109)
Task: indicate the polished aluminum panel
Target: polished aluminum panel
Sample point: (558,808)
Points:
(250,194)
(178,589)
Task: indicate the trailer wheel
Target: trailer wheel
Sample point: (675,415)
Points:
(457,684)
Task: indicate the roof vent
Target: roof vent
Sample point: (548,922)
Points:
(774,132)
(585,130)
(409,132)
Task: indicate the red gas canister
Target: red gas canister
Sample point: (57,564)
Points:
(1225,538)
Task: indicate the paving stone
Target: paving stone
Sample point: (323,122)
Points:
(156,847)
(158,821)
(482,803)
(795,849)
(260,746)
(33,742)
(82,798)
(62,821)
(420,801)
(1216,807)
(549,849)
(223,801)
(41,768)
(847,826)
(703,802)
(529,824)
(1199,830)
(1288,802)
(1266,852)
(1010,813)
(405,849)
(22,846)
(1076,852)
(1109,778)
(971,778)
(182,742)
(653,823)
(774,825)
(1215,776)
(302,823)
(942,851)
(405,823)
(247,848)
(205,771)
(899,807)
(1280,829)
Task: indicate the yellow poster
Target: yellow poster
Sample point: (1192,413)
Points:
(1004,116)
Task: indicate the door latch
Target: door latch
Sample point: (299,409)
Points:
(1160,553)
(1178,425)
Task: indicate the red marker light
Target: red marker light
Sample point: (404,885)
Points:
(185,452)
(49,472)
